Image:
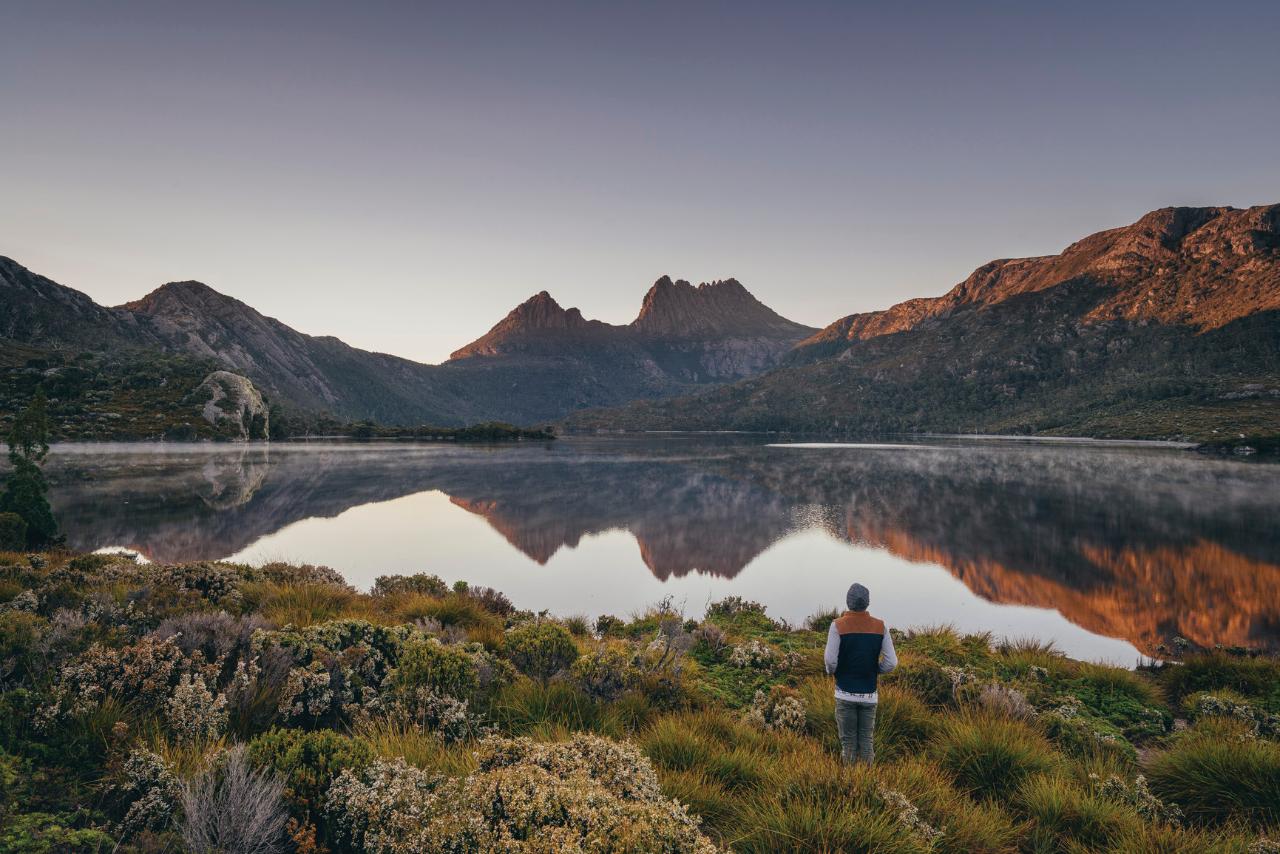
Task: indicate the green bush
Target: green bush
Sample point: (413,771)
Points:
(45,833)
(541,649)
(444,668)
(13,532)
(605,673)
(308,761)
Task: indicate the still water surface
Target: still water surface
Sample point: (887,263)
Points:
(1107,551)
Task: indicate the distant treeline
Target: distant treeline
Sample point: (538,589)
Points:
(489,431)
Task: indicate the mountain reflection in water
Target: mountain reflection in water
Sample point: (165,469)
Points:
(1128,543)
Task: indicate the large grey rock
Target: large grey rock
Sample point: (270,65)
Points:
(234,406)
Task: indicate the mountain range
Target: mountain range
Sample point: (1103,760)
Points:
(539,363)
(1169,327)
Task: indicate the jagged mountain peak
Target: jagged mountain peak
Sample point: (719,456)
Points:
(537,319)
(719,309)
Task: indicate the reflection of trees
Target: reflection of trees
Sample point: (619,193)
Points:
(1131,544)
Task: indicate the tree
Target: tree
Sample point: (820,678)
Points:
(25,489)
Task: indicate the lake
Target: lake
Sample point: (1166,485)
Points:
(1106,550)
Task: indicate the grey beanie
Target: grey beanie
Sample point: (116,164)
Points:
(858,598)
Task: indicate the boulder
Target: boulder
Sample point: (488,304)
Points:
(233,406)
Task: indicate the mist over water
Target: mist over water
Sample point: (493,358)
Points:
(1107,551)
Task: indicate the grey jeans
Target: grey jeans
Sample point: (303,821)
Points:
(856,723)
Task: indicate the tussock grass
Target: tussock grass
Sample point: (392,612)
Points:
(526,705)
(945,645)
(1114,682)
(990,756)
(390,739)
(1252,677)
(1217,778)
(303,605)
(1065,815)
(967,825)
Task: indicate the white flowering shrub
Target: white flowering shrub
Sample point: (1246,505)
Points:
(1261,723)
(144,672)
(148,793)
(587,794)
(309,692)
(1140,797)
(779,709)
(26,601)
(193,712)
(424,710)
(908,815)
(757,655)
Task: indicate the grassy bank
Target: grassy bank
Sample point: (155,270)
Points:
(213,706)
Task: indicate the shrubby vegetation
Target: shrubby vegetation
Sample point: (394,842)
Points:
(141,394)
(217,707)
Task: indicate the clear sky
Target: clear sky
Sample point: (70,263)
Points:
(402,174)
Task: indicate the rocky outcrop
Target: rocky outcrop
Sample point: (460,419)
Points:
(233,406)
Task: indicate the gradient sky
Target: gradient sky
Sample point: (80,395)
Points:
(402,174)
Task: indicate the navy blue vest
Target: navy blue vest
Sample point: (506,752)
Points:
(861,639)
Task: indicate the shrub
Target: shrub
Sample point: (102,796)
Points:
(1003,701)
(427,585)
(443,668)
(742,614)
(44,833)
(147,792)
(143,673)
(1204,704)
(607,624)
(194,713)
(232,807)
(307,762)
(585,794)
(756,655)
(710,639)
(13,532)
(424,711)
(1220,779)
(990,757)
(493,601)
(541,649)
(220,638)
(1140,798)
(780,709)
(605,672)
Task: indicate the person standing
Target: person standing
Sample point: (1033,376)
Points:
(859,649)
